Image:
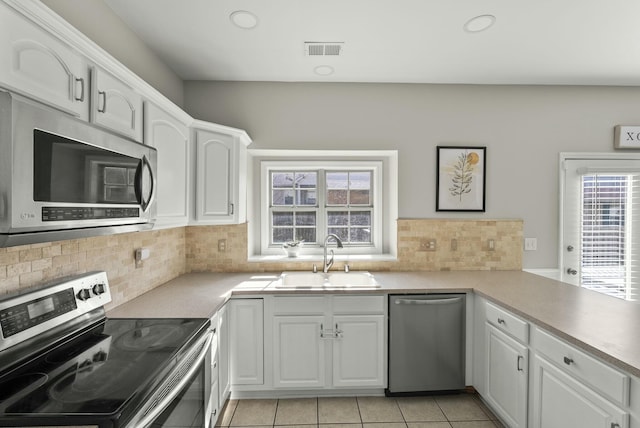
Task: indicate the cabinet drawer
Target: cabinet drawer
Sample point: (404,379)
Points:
(597,374)
(508,323)
(358,304)
(291,305)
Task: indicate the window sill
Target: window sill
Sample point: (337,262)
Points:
(277,258)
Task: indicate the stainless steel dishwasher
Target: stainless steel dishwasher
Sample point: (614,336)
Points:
(426,343)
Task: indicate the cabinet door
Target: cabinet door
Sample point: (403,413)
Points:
(298,352)
(560,401)
(37,64)
(246,338)
(116,106)
(358,351)
(224,384)
(506,377)
(171,138)
(215,170)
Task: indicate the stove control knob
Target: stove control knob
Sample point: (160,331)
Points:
(99,289)
(84,294)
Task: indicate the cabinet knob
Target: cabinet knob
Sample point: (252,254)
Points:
(501,321)
(572,271)
(568,361)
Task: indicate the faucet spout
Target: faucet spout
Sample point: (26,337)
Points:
(328,263)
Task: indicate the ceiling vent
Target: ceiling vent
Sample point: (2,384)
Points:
(323,48)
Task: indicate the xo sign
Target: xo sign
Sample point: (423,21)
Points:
(626,137)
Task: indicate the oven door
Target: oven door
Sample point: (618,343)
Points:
(183,399)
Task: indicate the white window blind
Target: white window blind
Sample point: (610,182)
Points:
(601,226)
(607,204)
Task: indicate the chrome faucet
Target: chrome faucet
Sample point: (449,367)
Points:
(327,264)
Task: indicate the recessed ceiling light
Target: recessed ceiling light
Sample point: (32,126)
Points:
(479,23)
(323,70)
(243,19)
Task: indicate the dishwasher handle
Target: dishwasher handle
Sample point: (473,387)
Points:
(446,301)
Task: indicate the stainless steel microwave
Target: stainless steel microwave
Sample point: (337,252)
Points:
(61,178)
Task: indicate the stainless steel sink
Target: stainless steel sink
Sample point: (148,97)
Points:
(360,279)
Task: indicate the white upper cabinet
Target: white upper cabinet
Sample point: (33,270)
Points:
(37,64)
(221,167)
(170,136)
(115,105)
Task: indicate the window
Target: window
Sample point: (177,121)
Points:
(306,199)
(307,205)
(601,212)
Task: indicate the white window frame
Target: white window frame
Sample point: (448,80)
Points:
(383,165)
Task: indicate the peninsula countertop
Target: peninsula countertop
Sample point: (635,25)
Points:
(601,325)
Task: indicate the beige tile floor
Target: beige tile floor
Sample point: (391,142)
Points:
(447,411)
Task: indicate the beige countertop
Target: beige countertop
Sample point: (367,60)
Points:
(602,325)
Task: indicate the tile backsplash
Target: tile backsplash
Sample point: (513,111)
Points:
(29,265)
(195,249)
(471,245)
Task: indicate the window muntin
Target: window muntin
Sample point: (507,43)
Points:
(309,204)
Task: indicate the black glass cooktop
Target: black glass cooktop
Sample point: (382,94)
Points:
(99,373)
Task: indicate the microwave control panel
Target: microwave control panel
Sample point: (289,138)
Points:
(87,213)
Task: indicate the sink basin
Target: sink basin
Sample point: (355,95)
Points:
(352,279)
(326,280)
(301,279)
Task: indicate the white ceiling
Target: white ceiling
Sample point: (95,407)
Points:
(575,42)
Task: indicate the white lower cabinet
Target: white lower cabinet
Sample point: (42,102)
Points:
(246,337)
(328,342)
(224,384)
(506,377)
(358,351)
(561,401)
(298,351)
(559,386)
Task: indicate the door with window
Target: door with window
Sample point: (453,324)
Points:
(600,216)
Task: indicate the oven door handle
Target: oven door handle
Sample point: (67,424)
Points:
(175,390)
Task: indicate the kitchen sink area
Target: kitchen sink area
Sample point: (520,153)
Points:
(357,279)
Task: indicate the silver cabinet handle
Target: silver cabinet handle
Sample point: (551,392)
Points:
(338,332)
(518,366)
(81,82)
(615,425)
(103,94)
(427,302)
(572,271)
(568,361)
(231,208)
(501,321)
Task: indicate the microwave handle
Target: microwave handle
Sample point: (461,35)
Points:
(140,191)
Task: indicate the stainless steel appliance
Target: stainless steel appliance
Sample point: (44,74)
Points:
(63,363)
(61,178)
(426,343)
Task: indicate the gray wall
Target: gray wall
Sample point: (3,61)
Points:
(99,23)
(523,127)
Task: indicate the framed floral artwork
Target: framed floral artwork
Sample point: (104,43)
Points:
(460,179)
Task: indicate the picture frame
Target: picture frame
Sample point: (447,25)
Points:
(461,178)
